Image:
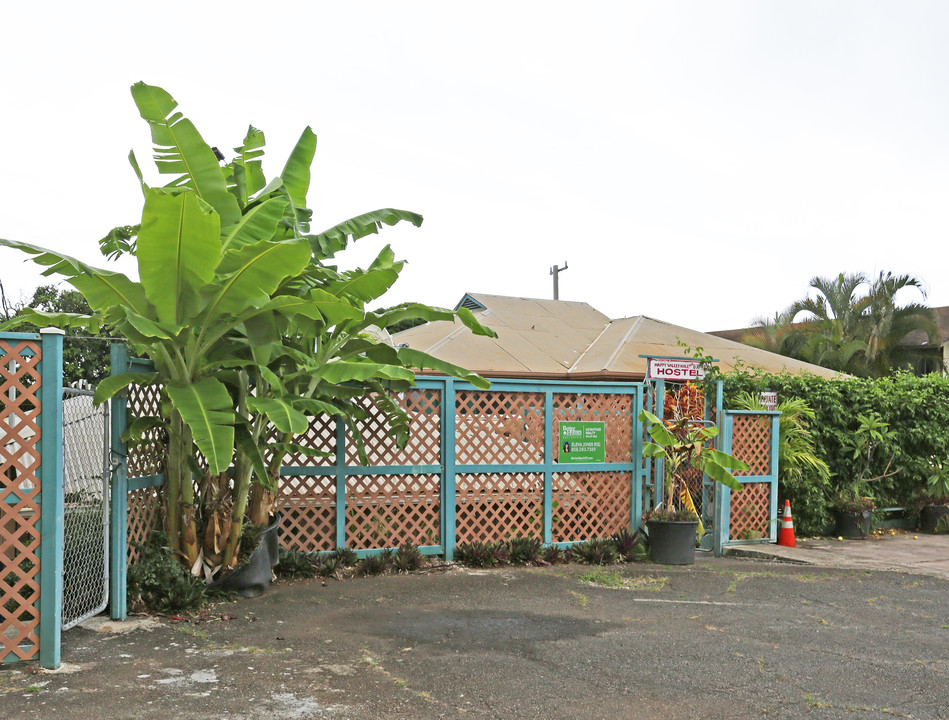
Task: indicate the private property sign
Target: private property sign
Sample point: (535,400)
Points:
(675,370)
(582,442)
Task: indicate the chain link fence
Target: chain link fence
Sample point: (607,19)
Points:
(86,472)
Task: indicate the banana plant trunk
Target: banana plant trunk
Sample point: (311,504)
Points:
(179,492)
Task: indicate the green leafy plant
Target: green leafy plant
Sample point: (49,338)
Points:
(407,558)
(524,550)
(681,442)
(595,552)
(631,546)
(346,556)
(376,564)
(479,554)
(553,555)
(937,485)
(329,566)
(294,563)
(853,494)
(158,582)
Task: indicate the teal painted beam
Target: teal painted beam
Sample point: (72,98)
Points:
(51,497)
(638,476)
(548,465)
(340,483)
(146,481)
(118,513)
(448,477)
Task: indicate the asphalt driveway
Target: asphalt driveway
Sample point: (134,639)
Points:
(727,638)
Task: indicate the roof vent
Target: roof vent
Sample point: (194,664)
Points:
(470,303)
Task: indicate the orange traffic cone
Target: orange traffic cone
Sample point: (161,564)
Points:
(786,532)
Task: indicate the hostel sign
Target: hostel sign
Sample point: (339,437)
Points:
(675,370)
(582,442)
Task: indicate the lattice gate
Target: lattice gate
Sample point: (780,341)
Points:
(750,516)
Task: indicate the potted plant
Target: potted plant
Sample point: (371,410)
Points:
(935,513)
(853,503)
(682,443)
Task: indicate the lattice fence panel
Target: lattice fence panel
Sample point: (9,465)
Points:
(615,410)
(389,510)
(499,428)
(19,498)
(321,436)
(751,442)
(498,506)
(589,505)
(750,512)
(308,506)
(424,445)
(147,457)
(144,515)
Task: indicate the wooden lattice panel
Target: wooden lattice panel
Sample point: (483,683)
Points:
(616,411)
(19,498)
(751,442)
(148,456)
(144,516)
(498,506)
(424,446)
(499,428)
(320,436)
(750,512)
(308,507)
(589,505)
(390,510)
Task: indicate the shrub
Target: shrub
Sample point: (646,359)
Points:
(479,554)
(294,563)
(161,583)
(345,557)
(630,546)
(553,555)
(376,564)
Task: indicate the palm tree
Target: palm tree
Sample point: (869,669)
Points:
(888,323)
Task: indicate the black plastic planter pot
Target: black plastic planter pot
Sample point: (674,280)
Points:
(930,516)
(253,577)
(672,543)
(853,524)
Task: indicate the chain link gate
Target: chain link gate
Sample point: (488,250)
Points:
(86,473)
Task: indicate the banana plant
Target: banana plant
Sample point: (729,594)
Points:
(250,328)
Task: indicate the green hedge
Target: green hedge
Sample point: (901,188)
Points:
(917,409)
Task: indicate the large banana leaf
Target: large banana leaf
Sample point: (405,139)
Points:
(281,413)
(329,242)
(258,223)
(423,361)
(109,386)
(247,277)
(179,247)
(102,289)
(296,173)
(206,408)
(43,318)
(248,175)
(180,151)
(343,371)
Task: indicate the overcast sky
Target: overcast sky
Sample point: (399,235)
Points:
(697,162)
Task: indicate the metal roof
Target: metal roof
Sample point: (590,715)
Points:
(559,339)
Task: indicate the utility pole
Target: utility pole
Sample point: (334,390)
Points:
(555,271)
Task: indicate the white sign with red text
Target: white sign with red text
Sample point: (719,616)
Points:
(769,399)
(675,370)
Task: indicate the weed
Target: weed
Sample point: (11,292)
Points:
(647,582)
(161,583)
(32,688)
(602,578)
(581,598)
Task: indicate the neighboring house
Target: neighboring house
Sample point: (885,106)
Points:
(934,357)
(563,340)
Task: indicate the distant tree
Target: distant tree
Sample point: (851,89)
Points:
(405,325)
(851,324)
(84,357)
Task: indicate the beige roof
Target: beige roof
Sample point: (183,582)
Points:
(558,339)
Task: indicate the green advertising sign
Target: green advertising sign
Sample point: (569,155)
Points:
(582,442)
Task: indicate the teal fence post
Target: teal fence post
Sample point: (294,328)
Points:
(51,498)
(775,442)
(448,469)
(118,496)
(638,480)
(722,493)
(548,466)
(340,483)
